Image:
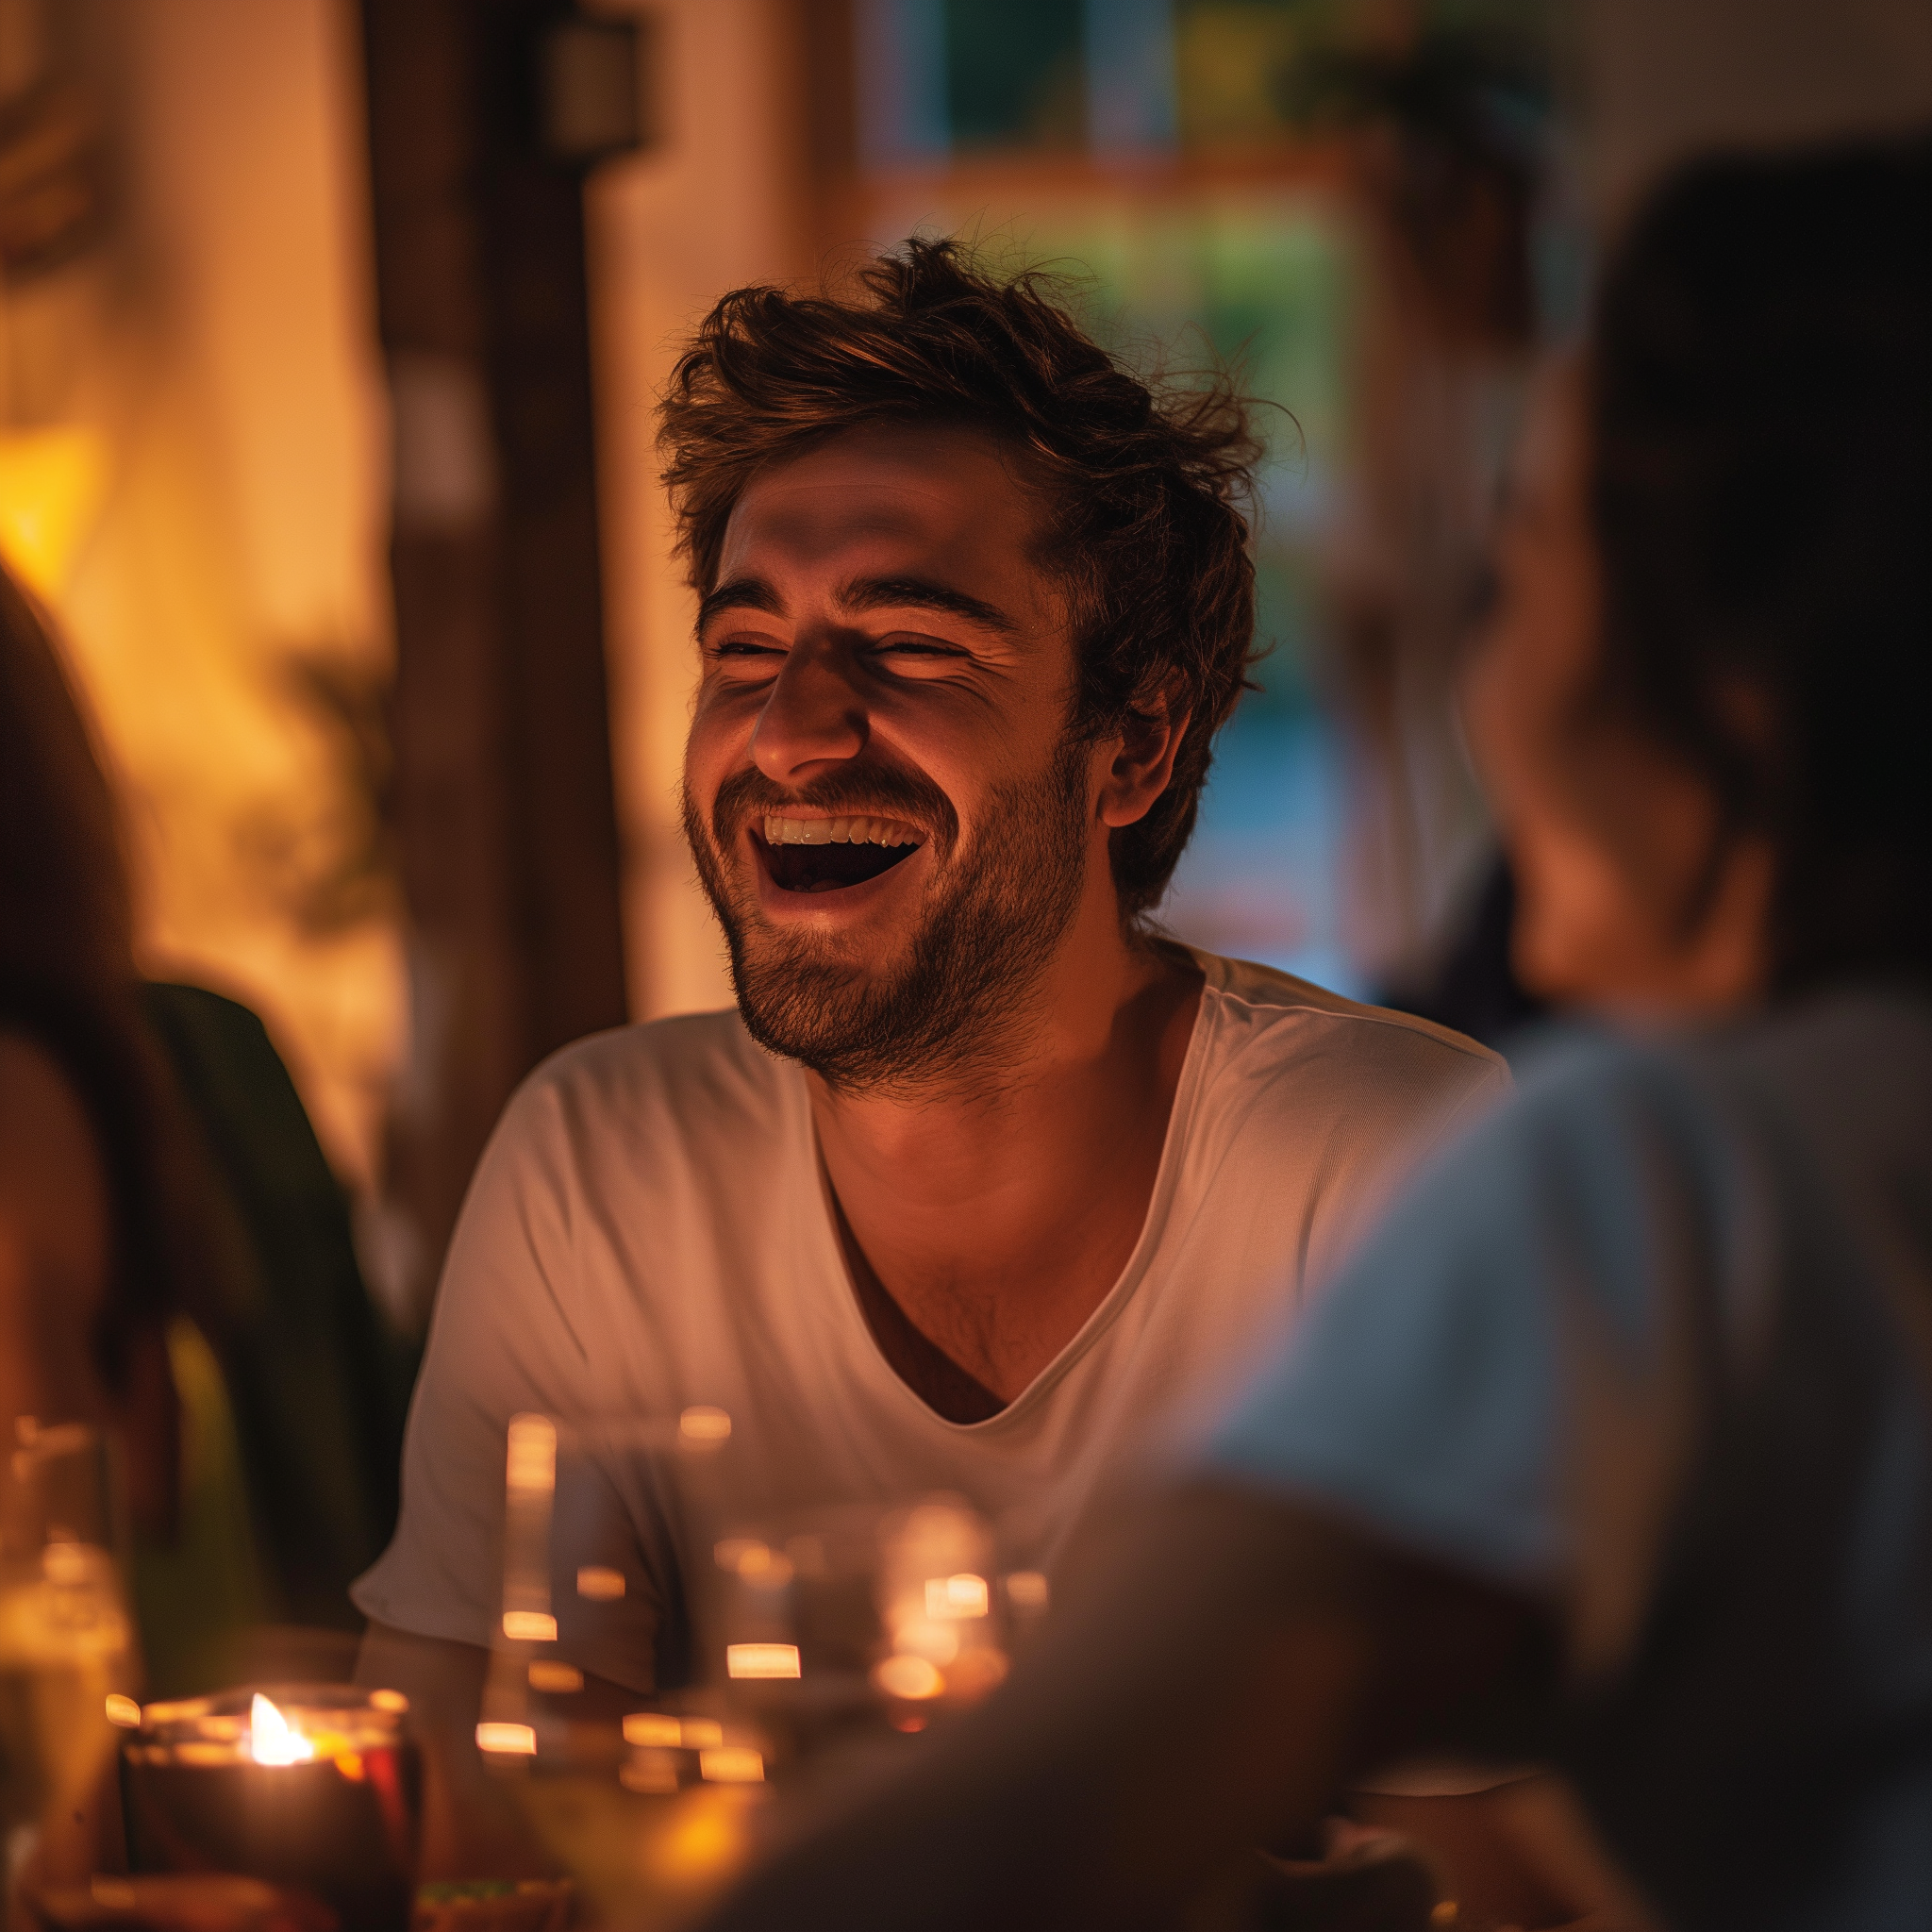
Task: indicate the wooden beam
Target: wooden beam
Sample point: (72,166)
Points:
(503,797)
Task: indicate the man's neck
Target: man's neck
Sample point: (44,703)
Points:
(992,1215)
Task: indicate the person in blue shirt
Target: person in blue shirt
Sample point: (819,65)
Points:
(1614,1445)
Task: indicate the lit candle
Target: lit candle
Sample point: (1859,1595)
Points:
(316,1789)
(272,1739)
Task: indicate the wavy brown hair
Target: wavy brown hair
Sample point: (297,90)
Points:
(1147,485)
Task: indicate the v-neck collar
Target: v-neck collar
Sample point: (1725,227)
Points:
(834,1269)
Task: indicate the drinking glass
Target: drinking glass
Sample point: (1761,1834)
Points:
(836,1622)
(651,1800)
(66,1652)
(315,1789)
(775,1642)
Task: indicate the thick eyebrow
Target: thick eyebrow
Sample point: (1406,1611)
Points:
(861,593)
(921,593)
(741,593)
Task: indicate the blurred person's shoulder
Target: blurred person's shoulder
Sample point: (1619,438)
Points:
(1812,1111)
(1858,1055)
(1829,1090)
(1340,1066)
(1856,1059)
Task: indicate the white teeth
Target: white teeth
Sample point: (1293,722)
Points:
(845,831)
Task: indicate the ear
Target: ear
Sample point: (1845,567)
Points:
(1140,759)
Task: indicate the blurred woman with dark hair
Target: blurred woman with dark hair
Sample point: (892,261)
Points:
(1614,1447)
(99,1240)
(176,1259)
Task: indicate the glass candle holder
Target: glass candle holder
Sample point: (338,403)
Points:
(316,1788)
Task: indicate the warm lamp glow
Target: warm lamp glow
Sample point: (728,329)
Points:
(272,1740)
(731,1764)
(50,482)
(123,1711)
(704,1424)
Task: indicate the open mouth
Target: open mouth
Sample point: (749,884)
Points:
(828,855)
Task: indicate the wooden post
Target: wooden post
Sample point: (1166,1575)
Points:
(503,801)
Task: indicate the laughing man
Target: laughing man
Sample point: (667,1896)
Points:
(985,1182)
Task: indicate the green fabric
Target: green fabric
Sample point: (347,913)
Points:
(316,1385)
(198,1596)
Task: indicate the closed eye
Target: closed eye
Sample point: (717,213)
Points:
(918,647)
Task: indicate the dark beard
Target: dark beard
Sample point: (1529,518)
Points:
(951,1013)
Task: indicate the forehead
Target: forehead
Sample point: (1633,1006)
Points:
(943,494)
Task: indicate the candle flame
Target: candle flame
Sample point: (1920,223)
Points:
(272,1740)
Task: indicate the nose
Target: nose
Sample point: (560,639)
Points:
(812,718)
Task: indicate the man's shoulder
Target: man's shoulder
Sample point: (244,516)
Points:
(1268,1018)
(1295,1079)
(688,1068)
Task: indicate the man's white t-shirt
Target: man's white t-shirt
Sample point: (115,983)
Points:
(649,1230)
